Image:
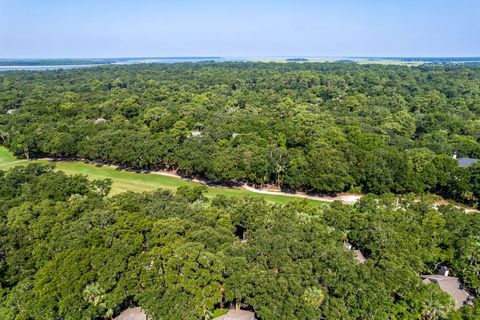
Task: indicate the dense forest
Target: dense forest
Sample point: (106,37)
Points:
(69,252)
(314,127)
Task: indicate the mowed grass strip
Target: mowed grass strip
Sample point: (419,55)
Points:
(6,156)
(7,159)
(140,182)
(123,180)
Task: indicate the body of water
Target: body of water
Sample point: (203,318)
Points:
(42,68)
(124,61)
(50,64)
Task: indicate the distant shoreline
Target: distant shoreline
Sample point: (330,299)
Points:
(57,66)
(50,64)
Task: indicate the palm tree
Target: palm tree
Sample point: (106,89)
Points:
(314,296)
(434,309)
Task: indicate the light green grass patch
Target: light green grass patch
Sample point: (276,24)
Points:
(6,156)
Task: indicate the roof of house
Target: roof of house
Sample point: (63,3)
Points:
(357,253)
(237,315)
(466,162)
(100,120)
(450,285)
(359,256)
(132,314)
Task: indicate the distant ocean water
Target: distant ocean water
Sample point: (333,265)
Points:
(38,66)
(41,68)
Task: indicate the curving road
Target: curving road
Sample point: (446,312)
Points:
(347,199)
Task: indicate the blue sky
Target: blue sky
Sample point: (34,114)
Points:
(142,28)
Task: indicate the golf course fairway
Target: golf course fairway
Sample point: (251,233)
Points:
(140,182)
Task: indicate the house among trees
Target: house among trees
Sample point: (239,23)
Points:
(100,120)
(358,254)
(11,111)
(465,162)
(450,285)
(132,314)
(237,315)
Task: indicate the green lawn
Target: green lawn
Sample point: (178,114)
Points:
(139,182)
(5,156)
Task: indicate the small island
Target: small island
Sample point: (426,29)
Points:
(297,60)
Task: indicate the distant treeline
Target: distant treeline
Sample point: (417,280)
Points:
(93,61)
(427,59)
(54,62)
(297,59)
(319,127)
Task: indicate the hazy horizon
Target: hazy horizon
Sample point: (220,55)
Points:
(234,57)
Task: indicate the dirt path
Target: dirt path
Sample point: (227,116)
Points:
(343,198)
(13,162)
(347,199)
